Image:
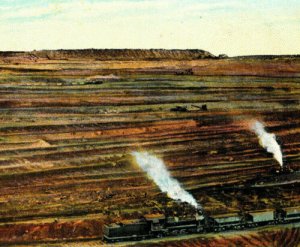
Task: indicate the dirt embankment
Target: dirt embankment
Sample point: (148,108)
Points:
(94,62)
(112,54)
(278,67)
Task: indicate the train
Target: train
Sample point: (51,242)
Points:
(159,225)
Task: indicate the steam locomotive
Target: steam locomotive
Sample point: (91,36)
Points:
(160,225)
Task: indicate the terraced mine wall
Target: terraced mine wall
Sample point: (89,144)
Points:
(176,62)
(67,128)
(115,54)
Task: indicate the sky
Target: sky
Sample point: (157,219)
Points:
(233,27)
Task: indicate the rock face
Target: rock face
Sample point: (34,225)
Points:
(17,57)
(115,54)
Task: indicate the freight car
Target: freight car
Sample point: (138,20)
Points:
(159,225)
(226,222)
(260,218)
(289,215)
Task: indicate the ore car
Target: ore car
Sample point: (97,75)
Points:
(227,222)
(290,214)
(260,218)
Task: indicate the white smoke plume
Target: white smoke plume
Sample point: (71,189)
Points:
(157,170)
(267,141)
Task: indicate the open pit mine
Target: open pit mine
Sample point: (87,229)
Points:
(164,147)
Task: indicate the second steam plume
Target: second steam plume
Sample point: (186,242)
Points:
(157,170)
(267,141)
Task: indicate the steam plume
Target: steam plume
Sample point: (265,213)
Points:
(267,141)
(157,170)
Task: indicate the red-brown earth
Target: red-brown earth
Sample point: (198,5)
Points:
(65,143)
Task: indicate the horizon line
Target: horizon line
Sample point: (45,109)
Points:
(167,49)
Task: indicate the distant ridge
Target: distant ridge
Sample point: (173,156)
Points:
(114,54)
(264,57)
